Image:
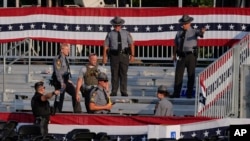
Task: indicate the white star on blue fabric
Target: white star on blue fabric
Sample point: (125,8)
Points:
(100,28)
(243,27)
(77,28)
(54,26)
(193,135)
(206,133)
(43,26)
(124,27)
(159,28)
(231,27)
(21,27)
(32,26)
(66,27)
(89,28)
(171,27)
(207,27)
(147,28)
(144,138)
(195,26)
(219,27)
(218,131)
(10,27)
(136,28)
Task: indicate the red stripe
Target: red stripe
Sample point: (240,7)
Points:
(86,119)
(207,42)
(128,12)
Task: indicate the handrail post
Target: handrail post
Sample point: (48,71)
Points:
(236,75)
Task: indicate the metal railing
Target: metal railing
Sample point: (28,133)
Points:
(217,87)
(44,52)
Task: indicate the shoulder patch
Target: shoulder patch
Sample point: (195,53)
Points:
(58,64)
(92,99)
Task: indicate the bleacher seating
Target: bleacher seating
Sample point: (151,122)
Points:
(142,86)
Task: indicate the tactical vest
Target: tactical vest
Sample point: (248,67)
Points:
(90,77)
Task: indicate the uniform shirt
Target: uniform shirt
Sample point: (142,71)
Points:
(39,107)
(60,67)
(190,39)
(164,108)
(98,97)
(111,40)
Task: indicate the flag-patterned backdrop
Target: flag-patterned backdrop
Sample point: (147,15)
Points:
(148,26)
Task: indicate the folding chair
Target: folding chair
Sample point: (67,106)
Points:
(28,132)
(70,134)
(84,136)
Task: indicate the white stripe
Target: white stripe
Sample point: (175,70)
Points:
(102,35)
(110,130)
(245,19)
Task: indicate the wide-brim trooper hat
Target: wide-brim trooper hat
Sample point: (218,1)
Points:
(102,77)
(186,19)
(162,89)
(117,21)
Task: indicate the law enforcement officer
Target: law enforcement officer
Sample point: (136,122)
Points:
(164,107)
(61,76)
(120,44)
(100,102)
(41,107)
(185,53)
(87,79)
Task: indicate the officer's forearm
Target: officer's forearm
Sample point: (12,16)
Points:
(94,107)
(132,50)
(105,51)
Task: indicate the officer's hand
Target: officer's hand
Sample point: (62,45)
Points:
(109,106)
(131,59)
(104,60)
(203,29)
(57,92)
(78,98)
(174,58)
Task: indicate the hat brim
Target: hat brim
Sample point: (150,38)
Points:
(188,21)
(113,22)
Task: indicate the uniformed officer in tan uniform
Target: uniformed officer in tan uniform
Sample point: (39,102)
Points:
(62,81)
(100,102)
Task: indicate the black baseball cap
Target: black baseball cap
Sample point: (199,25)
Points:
(38,84)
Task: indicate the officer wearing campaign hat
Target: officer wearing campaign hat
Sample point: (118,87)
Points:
(100,102)
(102,77)
(164,107)
(41,107)
(185,54)
(120,45)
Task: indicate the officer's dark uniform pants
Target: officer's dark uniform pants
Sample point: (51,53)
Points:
(119,68)
(189,62)
(43,122)
(70,89)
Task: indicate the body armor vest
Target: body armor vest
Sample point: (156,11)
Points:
(90,77)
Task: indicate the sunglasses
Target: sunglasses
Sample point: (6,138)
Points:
(42,87)
(106,81)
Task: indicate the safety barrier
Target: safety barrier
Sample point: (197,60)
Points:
(44,52)
(217,87)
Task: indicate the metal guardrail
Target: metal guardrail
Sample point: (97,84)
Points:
(44,52)
(217,87)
